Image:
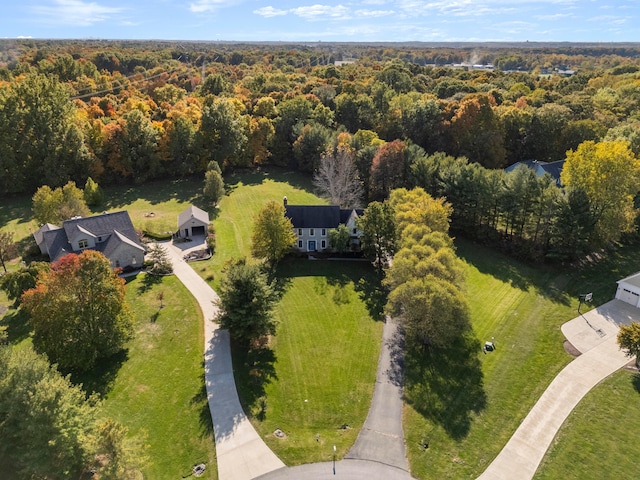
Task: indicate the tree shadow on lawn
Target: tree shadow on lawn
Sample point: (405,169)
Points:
(100,379)
(182,190)
(366,282)
(253,369)
(147,283)
(17,323)
(201,400)
(548,281)
(445,385)
(635,381)
(12,208)
(259,176)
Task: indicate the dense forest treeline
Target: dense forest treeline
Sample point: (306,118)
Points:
(136,111)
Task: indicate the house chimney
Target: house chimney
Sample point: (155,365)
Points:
(284,200)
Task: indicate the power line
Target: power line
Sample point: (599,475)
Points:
(92,94)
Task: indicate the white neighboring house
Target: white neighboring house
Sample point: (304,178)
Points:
(311,224)
(110,233)
(193,221)
(629,290)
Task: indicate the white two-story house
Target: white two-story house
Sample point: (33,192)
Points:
(311,224)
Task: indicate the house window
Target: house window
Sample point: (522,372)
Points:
(355,230)
(324,244)
(299,232)
(324,232)
(117,263)
(299,243)
(134,261)
(84,243)
(99,239)
(312,232)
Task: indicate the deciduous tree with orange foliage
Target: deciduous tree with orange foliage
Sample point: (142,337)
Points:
(78,311)
(388,170)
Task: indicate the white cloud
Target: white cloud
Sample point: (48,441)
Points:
(373,13)
(269,12)
(320,12)
(75,12)
(609,19)
(553,17)
(200,6)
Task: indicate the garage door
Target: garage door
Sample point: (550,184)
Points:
(197,231)
(629,297)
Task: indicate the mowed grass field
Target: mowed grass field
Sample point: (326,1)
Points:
(520,305)
(158,390)
(233,220)
(600,437)
(321,371)
(523,307)
(316,380)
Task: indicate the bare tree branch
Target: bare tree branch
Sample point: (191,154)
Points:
(337,180)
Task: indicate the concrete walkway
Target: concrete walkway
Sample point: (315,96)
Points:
(594,335)
(241,453)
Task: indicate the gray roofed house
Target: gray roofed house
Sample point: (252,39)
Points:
(540,168)
(193,221)
(112,234)
(311,224)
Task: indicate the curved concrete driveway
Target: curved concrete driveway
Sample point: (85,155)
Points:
(241,453)
(594,334)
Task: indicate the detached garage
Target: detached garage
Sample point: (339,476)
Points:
(629,290)
(192,222)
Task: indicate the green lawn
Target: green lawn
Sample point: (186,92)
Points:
(247,194)
(319,377)
(599,439)
(327,344)
(467,422)
(467,406)
(159,391)
(155,206)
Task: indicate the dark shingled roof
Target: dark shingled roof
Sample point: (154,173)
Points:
(313,216)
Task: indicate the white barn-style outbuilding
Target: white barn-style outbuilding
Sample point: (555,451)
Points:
(193,221)
(629,290)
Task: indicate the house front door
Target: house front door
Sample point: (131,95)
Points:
(311,246)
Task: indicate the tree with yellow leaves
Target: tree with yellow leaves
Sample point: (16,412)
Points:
(609,174)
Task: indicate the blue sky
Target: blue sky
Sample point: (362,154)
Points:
(323,20)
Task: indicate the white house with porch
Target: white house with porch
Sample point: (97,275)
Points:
(193,221)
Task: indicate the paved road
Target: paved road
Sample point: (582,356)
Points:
(381,439)
(594,335)
(379,451)
(241,453)
(344,469)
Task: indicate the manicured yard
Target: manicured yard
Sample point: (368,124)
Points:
(327,344)
(323,363)
(159,392)
(466,408)
(234,221)
(523,308)
(600,437)
(155,206)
